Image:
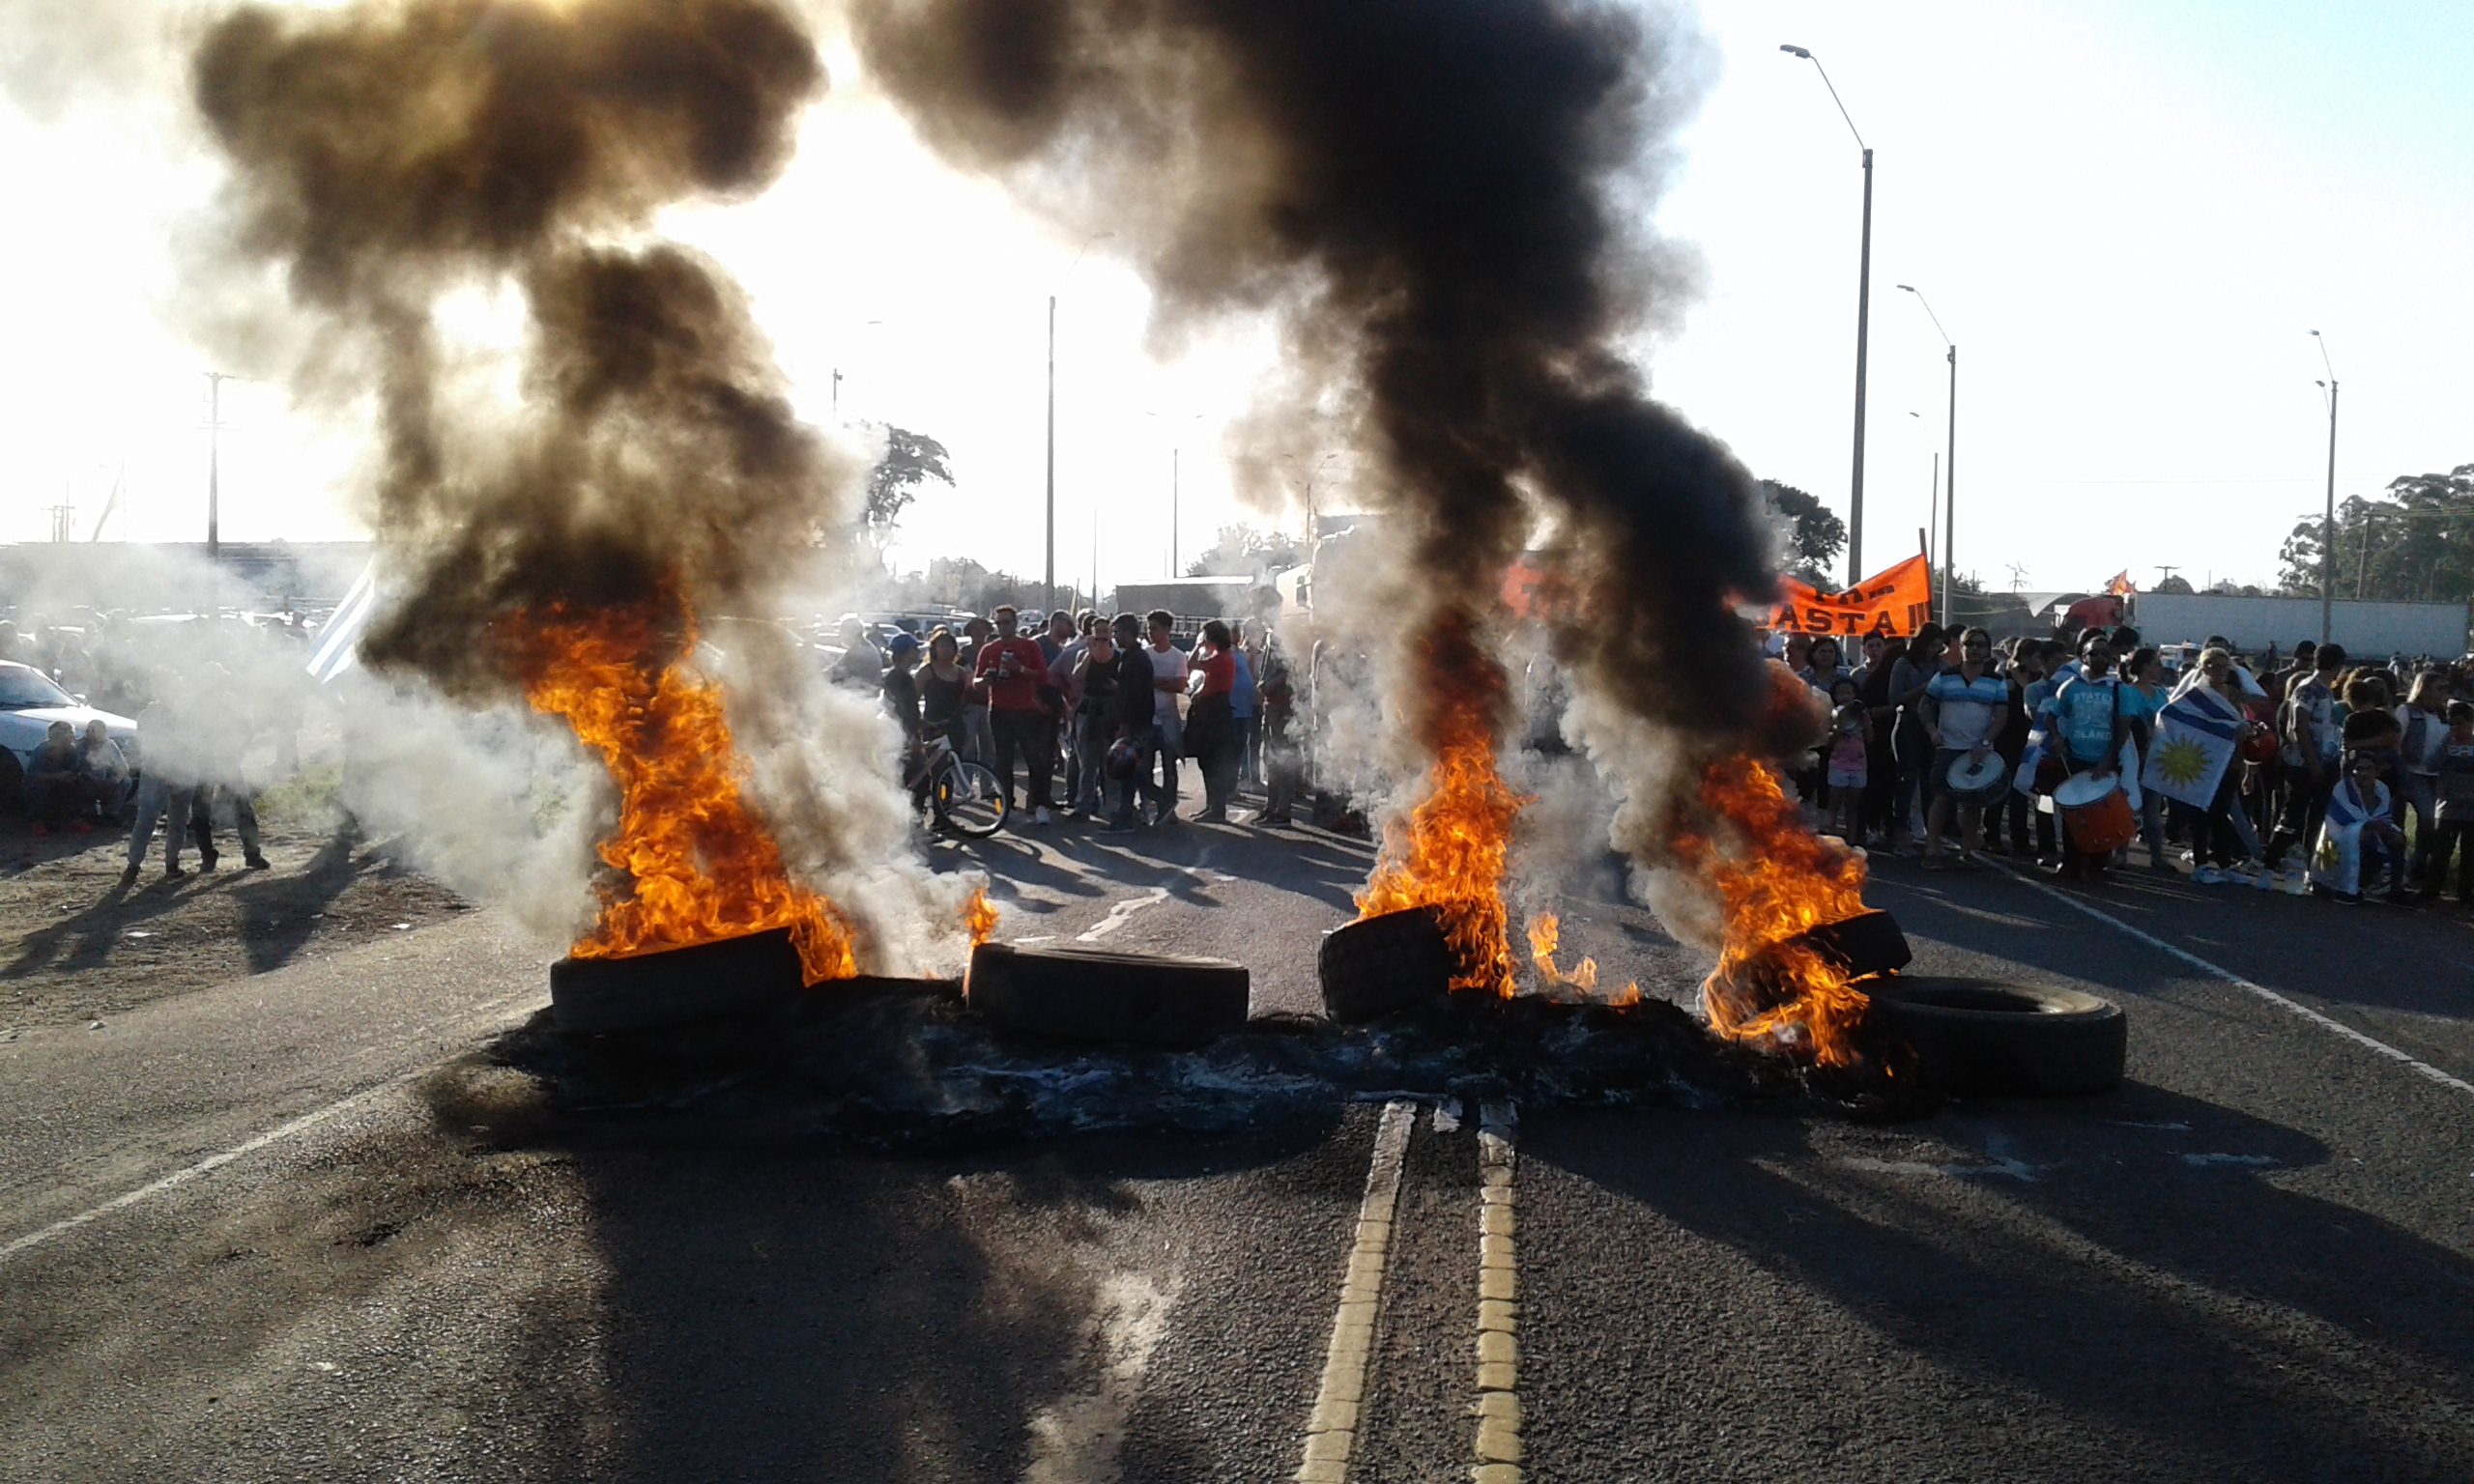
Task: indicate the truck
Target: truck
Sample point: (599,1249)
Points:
(2377,630)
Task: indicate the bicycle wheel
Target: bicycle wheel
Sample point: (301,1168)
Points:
(969,800)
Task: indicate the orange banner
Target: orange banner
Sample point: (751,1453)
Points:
(1895,601)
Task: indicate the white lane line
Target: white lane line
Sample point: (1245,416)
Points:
(1332,1432)
(2324,1022)
(1498,1406)
(250,1146)
(1118,914)
(207,1165)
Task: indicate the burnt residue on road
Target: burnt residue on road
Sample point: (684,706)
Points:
(903,1064)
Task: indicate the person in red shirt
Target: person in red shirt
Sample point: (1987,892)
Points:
(1014,670)
(1211,728)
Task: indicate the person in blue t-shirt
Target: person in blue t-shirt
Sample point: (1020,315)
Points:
(2089,726)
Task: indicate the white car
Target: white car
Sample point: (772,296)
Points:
(29,704)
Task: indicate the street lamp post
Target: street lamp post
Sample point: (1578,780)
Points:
(2328,521)
(1863,326)
(1047,581)
(1949,460)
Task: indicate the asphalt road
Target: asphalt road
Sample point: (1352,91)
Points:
(245,1235)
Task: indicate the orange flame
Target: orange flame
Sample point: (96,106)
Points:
(979,916)
(1776,880)
(1546,932)
(1448,854)
(700,867)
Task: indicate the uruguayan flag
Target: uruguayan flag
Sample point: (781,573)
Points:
(2337,864)
(339,645)
(2192,746)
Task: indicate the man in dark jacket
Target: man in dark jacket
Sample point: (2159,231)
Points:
(1134,718)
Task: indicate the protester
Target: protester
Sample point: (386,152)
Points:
(1962,709)
(1011,670)
(2423,730)
(106,770)
(2219,853)
(2313,739)
(1169,693)
(2454,807)
(943,688)
(2089,723)
(900,689)
(1908,744)
(1242,703)
(1882,768)
(1823,667)
(1284,760)
(978,733)
(2142,697)
(57,791)
(1094,684)
(2358,837)
(1845,772)
(1138,698)
(1064,664)
(2026,666)
(1211,729)
(860,667)
(164,792)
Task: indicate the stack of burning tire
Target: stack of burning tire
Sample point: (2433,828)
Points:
(1970,1037)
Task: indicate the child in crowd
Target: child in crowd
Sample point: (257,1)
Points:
(1849,767)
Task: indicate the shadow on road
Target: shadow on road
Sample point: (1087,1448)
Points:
(2128,1260)
(772,1310)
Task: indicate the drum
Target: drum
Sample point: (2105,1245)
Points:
(2261,746)
(2096,812)
(1977,783)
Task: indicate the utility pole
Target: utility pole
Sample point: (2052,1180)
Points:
(2328,521)
(1049,585)
(1863,326)
(1177,547)
(214,380)
(837,394)
(1949,488)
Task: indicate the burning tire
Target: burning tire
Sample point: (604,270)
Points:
(1376,965)
(1085,994)
(1999,1040)
(676,986)
(1865,944)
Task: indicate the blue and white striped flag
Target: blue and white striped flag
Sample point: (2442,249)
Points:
(2192,746)
(339,645)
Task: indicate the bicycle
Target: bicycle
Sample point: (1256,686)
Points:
(962,796)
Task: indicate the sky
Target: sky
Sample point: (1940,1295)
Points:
(2129,216)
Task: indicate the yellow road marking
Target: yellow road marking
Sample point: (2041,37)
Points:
(1498,1404)
(1332,1432)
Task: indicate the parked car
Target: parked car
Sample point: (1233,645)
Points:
(30,701)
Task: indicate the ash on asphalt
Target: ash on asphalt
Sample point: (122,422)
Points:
(903,1064)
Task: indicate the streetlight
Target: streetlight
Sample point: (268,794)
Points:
(1950,460)
(2328,524)
(1047,595)
(1863,326)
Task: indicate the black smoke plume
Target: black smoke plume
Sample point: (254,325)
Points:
(388,153)
(1438,199)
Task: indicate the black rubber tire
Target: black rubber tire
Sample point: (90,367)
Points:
(1868,943)
(676,986)
(1088,994)
(1378,966)
(13,783)
(2003,1039)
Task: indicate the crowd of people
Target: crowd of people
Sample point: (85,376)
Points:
(202,691)
(1106,709)
(2349,781)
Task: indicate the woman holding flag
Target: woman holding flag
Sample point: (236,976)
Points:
(2193,757)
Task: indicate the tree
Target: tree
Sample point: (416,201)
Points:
(2174,583)
(1815,537)
(911,460)
(2414,544)
(1243,550)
